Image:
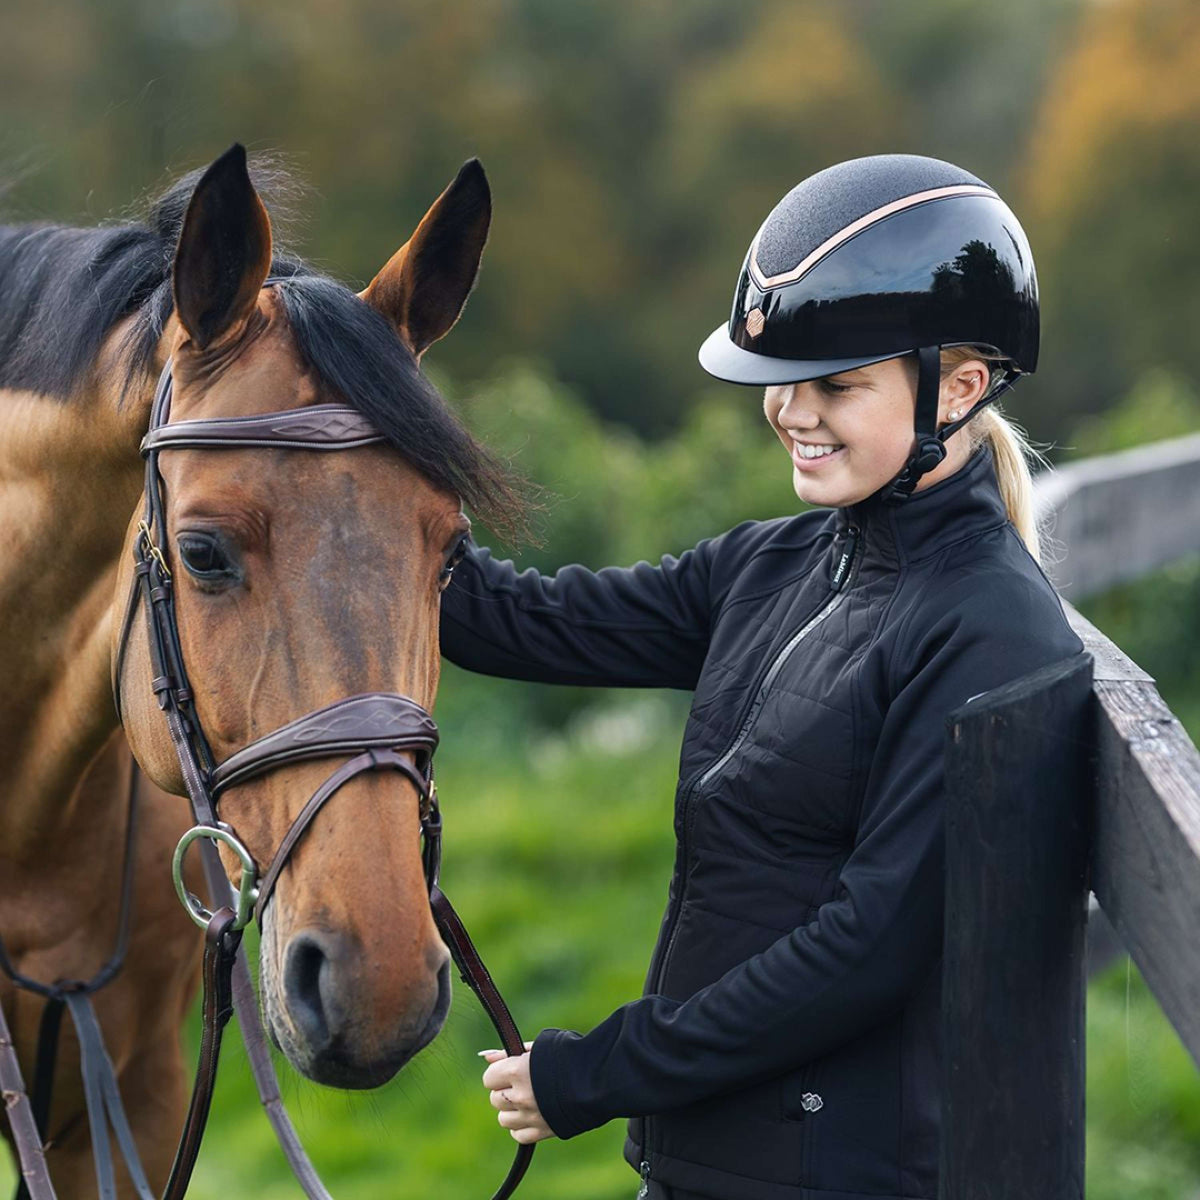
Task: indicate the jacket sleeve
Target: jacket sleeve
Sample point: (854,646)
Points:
(868,947)
(639,626)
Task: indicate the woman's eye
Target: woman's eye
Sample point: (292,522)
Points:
(205,557)
(837,388)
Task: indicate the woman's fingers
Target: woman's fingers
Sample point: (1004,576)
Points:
(524,1126)
(498,1075)
(530,1134)
(510,1092)
(492,1055)
(505,1072)
(508,1098)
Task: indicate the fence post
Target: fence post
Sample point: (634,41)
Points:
(1018,766)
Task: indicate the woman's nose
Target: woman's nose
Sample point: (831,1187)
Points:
(798,409)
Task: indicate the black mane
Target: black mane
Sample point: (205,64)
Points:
(63,289)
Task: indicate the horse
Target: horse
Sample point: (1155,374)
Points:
(299,579)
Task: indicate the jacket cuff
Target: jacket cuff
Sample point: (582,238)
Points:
(547,1069)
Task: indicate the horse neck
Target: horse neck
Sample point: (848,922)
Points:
(70,478)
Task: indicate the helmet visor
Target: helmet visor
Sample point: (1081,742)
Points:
(721,358)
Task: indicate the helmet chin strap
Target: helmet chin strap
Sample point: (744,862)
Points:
(930,448)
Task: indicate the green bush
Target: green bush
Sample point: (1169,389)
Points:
(1161,404)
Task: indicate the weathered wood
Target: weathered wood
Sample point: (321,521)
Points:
(1111,662)
(1017,775)
(20,1116)
(1104,944)
(1123,515)
(1146,847)
(1145,869)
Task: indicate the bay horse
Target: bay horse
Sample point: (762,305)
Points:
(300,579)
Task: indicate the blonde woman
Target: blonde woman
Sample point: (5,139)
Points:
(787,1044)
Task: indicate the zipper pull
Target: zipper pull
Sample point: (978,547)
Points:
(842,570)
(644,1190)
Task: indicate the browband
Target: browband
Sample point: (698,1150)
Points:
(321,427)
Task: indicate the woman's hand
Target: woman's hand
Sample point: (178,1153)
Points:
(507,1079)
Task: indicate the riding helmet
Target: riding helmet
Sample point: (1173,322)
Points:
(874,258)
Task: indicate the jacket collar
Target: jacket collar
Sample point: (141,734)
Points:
(964,503)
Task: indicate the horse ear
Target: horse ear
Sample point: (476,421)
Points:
(224,250)
(425,284)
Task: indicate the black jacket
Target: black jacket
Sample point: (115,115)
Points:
(787,1044)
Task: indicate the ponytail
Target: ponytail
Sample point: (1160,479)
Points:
(1012,451)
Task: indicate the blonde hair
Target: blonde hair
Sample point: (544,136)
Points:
(1012,450)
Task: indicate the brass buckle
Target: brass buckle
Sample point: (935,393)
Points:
(428,810)
(153,550)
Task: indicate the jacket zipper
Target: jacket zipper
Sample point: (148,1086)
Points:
(840,576)
(644,1170)
(776,666)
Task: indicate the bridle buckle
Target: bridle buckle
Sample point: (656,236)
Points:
(153,550)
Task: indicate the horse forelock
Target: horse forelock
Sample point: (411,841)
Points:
(63,290)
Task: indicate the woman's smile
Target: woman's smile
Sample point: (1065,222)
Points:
(872,407)
(811,456)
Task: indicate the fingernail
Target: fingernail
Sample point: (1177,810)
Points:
(481,1053)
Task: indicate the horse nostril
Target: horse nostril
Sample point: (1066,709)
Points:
(307,968)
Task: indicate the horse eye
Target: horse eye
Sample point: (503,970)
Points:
(206,558)
(456,556)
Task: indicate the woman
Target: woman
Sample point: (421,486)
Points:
(787,1043)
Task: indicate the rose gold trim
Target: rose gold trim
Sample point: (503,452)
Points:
(843,235)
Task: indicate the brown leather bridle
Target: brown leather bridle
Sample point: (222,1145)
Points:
(374,729)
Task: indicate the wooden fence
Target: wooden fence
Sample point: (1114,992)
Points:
(1073,833)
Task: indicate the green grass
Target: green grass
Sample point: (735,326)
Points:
(1143,1095)
(558,854)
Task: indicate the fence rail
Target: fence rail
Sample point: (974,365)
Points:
(1073,832)
(1123,515)
(1145,854)
(1119,516)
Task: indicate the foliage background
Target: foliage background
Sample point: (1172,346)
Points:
(633,150)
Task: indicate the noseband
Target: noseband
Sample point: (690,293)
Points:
(374,731)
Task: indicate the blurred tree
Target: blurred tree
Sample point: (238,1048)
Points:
(970,74)
(633,149)
(1112,176)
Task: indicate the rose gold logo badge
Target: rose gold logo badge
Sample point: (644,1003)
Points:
(755,322)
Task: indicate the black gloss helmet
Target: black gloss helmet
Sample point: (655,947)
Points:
(874,258)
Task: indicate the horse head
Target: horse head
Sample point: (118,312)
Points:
(301,578)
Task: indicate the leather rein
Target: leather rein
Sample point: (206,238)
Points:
(371,732)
